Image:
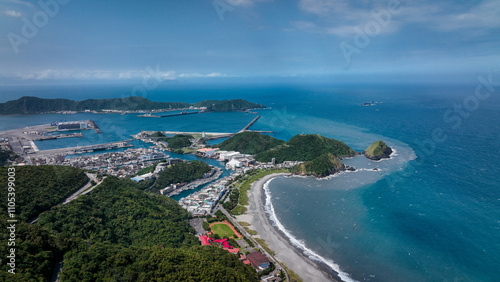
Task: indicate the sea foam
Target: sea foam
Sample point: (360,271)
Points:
(300,244)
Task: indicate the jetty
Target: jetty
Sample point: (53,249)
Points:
(94,126)
(84,149)
(214,135)
(183,113)
(249,124)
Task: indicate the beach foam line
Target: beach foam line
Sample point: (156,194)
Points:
(299,243)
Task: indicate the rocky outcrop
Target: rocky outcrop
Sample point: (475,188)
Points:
(377,151)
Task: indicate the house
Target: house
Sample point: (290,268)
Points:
(258,261)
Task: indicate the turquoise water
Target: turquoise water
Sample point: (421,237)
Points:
(431,213)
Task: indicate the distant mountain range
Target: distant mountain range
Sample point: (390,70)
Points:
(34,105)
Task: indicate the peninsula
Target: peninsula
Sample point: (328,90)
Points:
(319,155)
(34,105)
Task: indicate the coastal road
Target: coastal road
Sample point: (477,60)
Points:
(246,234)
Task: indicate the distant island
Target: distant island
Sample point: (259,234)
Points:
(377,151)
(34,105)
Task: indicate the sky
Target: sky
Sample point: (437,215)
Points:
(75,41)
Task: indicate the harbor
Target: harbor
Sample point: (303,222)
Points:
(22,140)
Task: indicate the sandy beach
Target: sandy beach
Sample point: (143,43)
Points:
(285,252)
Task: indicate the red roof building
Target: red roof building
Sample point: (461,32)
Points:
(258,260)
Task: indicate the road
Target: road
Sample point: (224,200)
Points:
(80,191)
(246,234)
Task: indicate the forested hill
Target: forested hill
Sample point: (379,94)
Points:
(228,105)
(249,143)
(38,188)
(306,147)
(118,233)
(35,105)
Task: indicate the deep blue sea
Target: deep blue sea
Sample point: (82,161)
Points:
(430,213)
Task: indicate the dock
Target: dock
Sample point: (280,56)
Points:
(250,124)
(218,135)
(180,114)
(88,148)
(94,126)
(183,113)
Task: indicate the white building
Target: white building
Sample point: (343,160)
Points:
(233,164)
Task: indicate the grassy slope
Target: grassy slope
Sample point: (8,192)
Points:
(376,149)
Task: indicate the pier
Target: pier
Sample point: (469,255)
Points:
(88,148)
(183,113)
(250,124)
(180,114)
(95,126)
(215,135)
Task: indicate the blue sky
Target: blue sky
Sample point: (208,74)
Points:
(231,40)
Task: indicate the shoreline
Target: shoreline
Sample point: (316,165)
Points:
(284,251)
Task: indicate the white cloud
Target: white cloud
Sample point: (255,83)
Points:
(213,74)
(14,14)
(19,2)
(239,2)
(341,17)
(148,73)
(243,3)
(450,17)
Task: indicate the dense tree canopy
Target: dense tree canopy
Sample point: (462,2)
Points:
(178,141)
(34,105)
(228,105)
(249,143)
(117,232)
(321,166)
(38,188)
(305,147)
(182,172)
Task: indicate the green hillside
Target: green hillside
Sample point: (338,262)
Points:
(38,188)
(35,105)
(117,233)
(378,150)
(305,147)
(178,141)
(249,143)
(228,105)
(181,172)
(321,166)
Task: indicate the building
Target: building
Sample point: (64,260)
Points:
(207,152)
(233,164)
(258,261)
(72,125)
(143,177)
(227,155)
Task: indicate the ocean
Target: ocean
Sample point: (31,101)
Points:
(430,213)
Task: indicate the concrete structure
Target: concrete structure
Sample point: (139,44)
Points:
(207,152)
(227,155)
(233,164)
(72,125)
